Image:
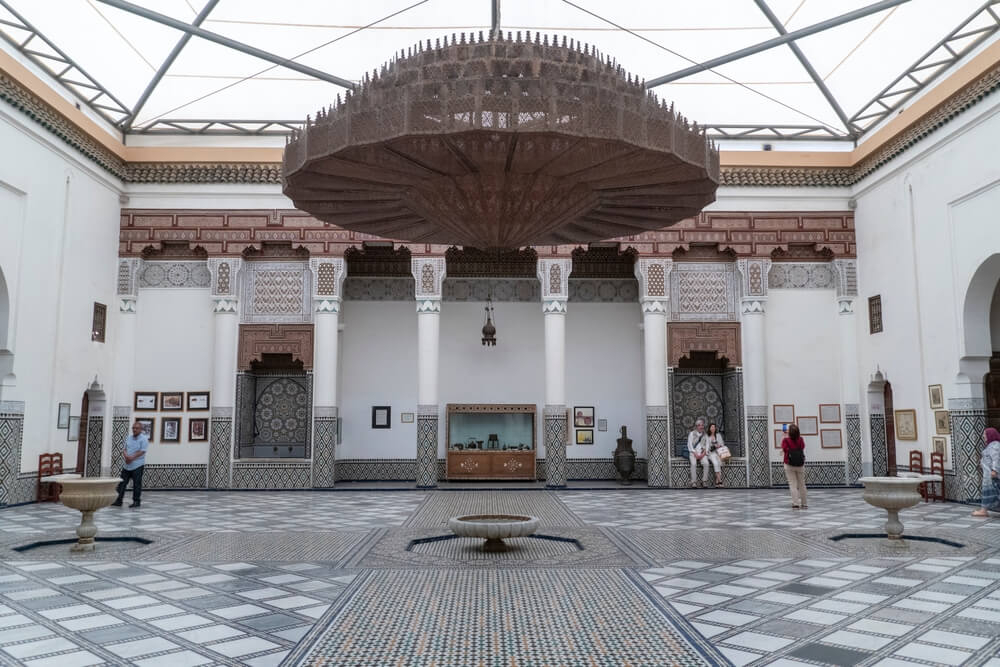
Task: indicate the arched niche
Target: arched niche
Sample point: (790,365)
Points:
(977,338)
(6,354)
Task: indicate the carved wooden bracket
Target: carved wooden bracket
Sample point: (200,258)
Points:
(720,337)
(260,339)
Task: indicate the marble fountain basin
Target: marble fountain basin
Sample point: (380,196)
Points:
(494,528)
(86,494)
(893,494)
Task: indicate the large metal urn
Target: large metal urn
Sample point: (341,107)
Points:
(624,459)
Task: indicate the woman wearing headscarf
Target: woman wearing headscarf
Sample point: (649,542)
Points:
(990,463)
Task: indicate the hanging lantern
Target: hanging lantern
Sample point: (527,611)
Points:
(489,331)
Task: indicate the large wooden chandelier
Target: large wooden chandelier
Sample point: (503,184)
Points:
(500,143)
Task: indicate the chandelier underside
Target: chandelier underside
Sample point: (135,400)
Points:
(500,143)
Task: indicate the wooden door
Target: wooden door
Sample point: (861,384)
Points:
(890,431)
(81,442)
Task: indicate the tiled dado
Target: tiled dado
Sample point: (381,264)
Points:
(818,473)
(174,476)
(272,476)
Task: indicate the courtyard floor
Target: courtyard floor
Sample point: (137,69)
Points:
(639,577)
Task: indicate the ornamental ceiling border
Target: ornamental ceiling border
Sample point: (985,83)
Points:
(21,98)
(230,232)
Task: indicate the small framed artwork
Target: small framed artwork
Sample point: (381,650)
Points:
(831,438)
(583,416)
(602,424)
(197,430)
(148,427)
(73,429)
(936,396)
(784,414)
(171,400)
(145,400)
(939,444)
(584,436)
(406,417)
(198,400)
(829,413)
(808,426)
(170,429)
(381,416)
(62,421)
(942,424)
(906,424)
(779,435)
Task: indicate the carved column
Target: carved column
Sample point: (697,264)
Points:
(225,305)
(11,440)
(653,275)
(554,277)
(122,383)
(328,281)
(876,426)
(96,414)
(752,308)
(850,384)
(428,274)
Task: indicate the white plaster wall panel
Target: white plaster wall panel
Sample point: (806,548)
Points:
(920,258)
(379,367)
(66,253)
(803,361)
(604,369)
(995,319)
(511,372)
(173,346)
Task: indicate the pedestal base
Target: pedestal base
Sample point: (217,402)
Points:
(494,545)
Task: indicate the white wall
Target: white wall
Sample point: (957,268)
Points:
(924,224)
(995,319)
(603,362)
(59,218)
(174,353)
(803,362)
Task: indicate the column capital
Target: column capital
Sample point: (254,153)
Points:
(126,304)
(753,277)
(326,305)
(845,305)
(223,305)
(429,306)
(654,306)
(553,274)
(753,305)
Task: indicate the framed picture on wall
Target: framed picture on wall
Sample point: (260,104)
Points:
(829,413)
(784,414)
(406,417)
(145,400)
(939,445)
(62,420)
(381,416)
(906,424)
(808,426)
(602,424)
(831,438)
(583,416)
(73,429)
(197,430)
(171,400)
(148,427)
(779,435)
(170,429)
(584,436)
(198,400)
(942,424)
(936,396)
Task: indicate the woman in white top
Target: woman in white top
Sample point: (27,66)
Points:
(714,441)
(698,451)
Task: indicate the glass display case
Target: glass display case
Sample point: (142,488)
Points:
(491,441)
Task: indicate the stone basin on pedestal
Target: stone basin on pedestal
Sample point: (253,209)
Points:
(494,528)
(892,494)
(86,494)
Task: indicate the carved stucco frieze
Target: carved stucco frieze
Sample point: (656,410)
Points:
(703,291)
(160,274)
(276,292)
(802,275)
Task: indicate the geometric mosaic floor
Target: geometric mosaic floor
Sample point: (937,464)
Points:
(687,577)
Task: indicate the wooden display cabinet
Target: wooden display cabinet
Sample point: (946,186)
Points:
(473,452)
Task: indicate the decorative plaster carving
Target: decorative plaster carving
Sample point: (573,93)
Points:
(846,271)
(603,290)
(802,252)
(259,339)
(327,305)
(224,271)
(802,275)
(752,306)
(328,276)
(128,268)
(501,289)
(174,249)
(167,274)
(553,274)
(379,289)
(721,337)
(223,306)
(703,291)
(845,306)
(653,274)
(429,273)
(654,307)
(754,276)
(126,305)
(276,292)
(557,306)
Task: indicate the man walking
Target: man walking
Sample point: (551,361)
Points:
(135,461)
